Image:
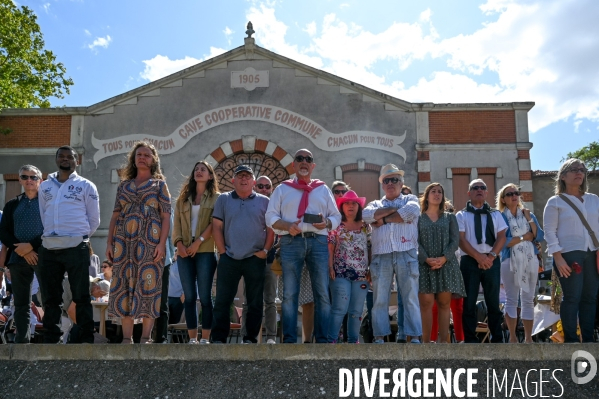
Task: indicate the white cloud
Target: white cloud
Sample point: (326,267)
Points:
(343,5)
(310,28)
(228,32)
(100,42)
(161,66)
(532,50)
(87,33)
(46,7)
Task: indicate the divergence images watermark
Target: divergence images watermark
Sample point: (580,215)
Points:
(462,382)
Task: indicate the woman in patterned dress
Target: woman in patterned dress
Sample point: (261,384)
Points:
(440,275)
(348,266)
(137,241)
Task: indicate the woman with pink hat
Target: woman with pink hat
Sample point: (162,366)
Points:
(348,265)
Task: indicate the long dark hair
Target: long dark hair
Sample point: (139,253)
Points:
(130,170)
(188,189)
(424,198)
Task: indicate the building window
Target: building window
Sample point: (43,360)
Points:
(461,177)
(260,163)
(365,183)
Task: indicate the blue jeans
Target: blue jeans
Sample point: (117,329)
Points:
(400,330)
(197,271)
(490,279)
(405,266)
(314,252)
(347,298)
(580,295)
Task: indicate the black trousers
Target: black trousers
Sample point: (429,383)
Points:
(490,280)
(52,265)
(162,321)
(21,275)
(229,272)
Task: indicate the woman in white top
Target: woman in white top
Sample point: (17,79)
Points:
(574,254)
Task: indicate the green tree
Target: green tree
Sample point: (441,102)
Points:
(29,74)
(588,154)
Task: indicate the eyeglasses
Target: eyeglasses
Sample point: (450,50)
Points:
(243,176)
(25,177)
(301,158)
(576,170)
(104,267)
(388,180)
(474,188)
(337,192)
(263,186)
(512,193)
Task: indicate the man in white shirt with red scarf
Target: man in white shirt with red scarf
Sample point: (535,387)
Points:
(302,211)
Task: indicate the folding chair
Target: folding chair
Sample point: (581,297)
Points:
(235,328)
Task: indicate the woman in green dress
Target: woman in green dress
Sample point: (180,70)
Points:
(440,276)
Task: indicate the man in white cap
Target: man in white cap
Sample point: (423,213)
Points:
(394,250)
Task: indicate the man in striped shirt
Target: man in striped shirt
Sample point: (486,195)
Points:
(394,250)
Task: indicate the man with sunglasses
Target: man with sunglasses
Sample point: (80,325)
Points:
(482,236)
(301,211)
(70,211)
(264,186)
(394,251)
(21,230)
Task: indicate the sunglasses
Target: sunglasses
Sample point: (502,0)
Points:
(576,170)
(25,177)
(474,188)
(337,192)
(512,193)
(388,180)
(263,186)
(301,158)
(104,267)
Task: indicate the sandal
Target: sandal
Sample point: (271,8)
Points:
(127,341)
(148,340)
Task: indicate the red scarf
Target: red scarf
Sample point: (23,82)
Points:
(302,185)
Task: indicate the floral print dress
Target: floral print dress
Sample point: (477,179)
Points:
(351,251)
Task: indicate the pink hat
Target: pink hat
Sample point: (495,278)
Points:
(351,196)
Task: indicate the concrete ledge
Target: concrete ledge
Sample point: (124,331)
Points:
(237,352)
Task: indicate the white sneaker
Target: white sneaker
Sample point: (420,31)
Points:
(204,341)
(271,341)
(193,341)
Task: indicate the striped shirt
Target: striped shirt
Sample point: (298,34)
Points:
(394,237)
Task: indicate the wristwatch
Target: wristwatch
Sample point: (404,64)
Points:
(493,254)
(265,251)
(521,238)
(202,239)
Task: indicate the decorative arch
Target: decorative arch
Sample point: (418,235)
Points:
(264,157)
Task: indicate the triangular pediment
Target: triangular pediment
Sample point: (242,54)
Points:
(251,52)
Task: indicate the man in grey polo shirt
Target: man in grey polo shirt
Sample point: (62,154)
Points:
(243,241)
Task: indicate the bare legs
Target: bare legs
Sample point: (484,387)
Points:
(426,310)
(307,321)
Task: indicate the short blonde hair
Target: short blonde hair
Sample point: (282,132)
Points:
(501,193)
(560,185)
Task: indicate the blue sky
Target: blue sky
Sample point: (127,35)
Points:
(546,51)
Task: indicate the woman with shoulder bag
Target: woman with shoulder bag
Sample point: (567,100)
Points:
(574,247)
(519,262)
(192,235)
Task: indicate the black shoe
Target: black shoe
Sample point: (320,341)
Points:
(401,341)
(247,341)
